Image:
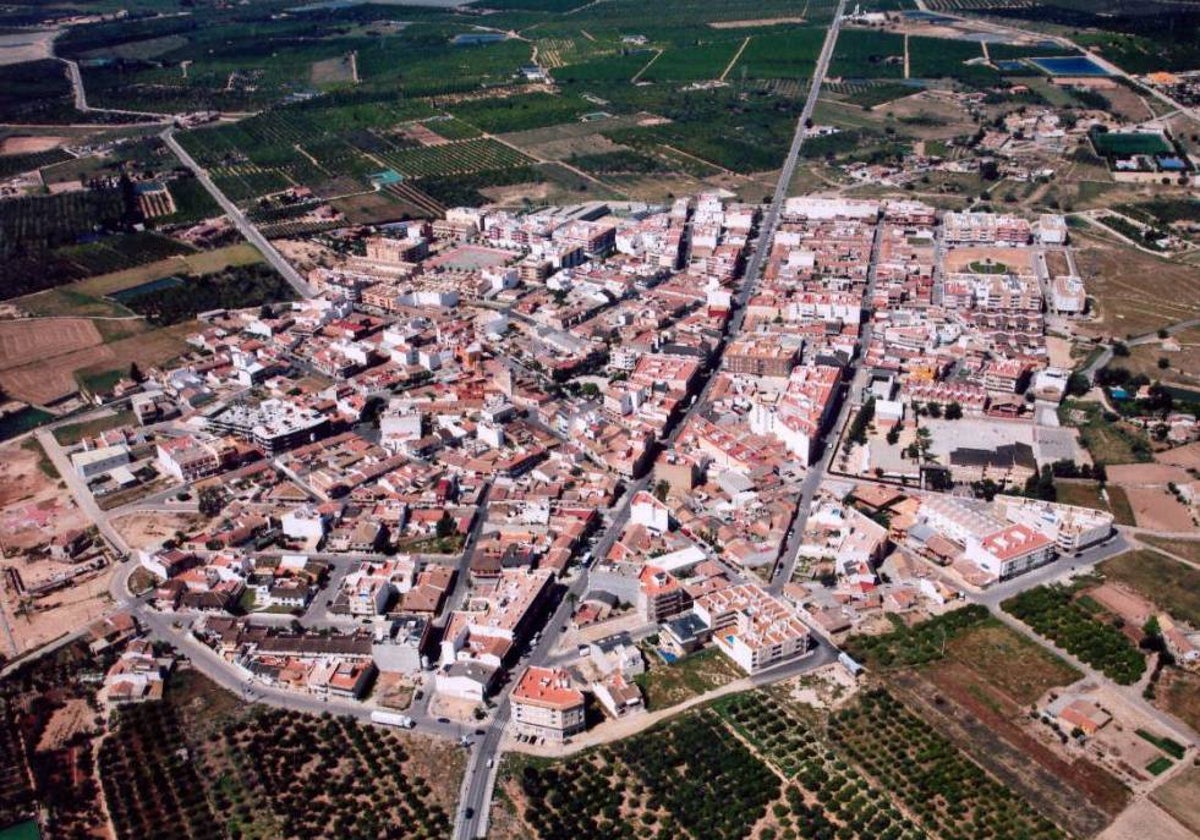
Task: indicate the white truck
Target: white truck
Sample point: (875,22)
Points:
(392,719)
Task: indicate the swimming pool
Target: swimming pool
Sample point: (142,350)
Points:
(1069,65)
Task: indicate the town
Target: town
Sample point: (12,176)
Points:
(608,440)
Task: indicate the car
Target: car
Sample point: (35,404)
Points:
(490,763)
(470,812)
(443,720)
(480,731)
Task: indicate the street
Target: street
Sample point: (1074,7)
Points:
(248,230)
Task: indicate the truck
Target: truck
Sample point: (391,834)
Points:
(392,719)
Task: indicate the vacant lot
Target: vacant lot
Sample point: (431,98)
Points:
(1168,583)
(1183,365)
(1135,293)
(1108,442)
(1010,664)
(1187,549)
(22,342)
(1088,494)
(1157,509)
(1178,693)
(668,685)
(1181,798)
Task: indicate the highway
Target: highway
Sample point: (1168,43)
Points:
(471,817)
(248,230)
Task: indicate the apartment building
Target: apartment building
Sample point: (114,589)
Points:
(1010,551)
(545,704)
(752,627)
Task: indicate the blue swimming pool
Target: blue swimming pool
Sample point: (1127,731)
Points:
(1069,65)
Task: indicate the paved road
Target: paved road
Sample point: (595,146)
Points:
(81,103)
(79,489)
(248,230)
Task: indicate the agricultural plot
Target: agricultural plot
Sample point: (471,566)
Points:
(294,775)
(944,790)
(869,94)
(38,92)
(940,58)
(234,288)
(692,63)
(454,158)
(49,240)
(828,797)
(867,54)
(336,151)
(689,778)
(148,780)
(1055,614)
(16,164)
(787,54)
(521,113)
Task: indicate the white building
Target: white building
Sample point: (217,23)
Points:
(1070,527)
(1010,551)
(96,462)
(650,513)
(751,627)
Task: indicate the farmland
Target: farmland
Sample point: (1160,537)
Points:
(1053,613)
(284,774)
(147,783)
(689,776)
(754,764)
(45,241)
(924,770)
(974,680)
(234,288)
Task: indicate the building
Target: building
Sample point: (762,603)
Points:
(1072,528)
(649,512)
(188,458)
(800,413)
(498,617)
(96,462)
(1010,551)
(272,425)
(660,595)
(618,696)
(760,356)
(985,229)
(751,627)
(545,704)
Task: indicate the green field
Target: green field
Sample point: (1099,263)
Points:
(1123,144)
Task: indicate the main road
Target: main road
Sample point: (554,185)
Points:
(244,226)
(471,817)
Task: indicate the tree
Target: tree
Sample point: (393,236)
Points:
(212,501)
(1163,363)
(954,411)
(1120,348)
(935,410)
(446,525)
(662,489)
(135,372)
